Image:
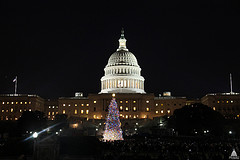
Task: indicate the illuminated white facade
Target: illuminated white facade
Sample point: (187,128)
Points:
(122,73)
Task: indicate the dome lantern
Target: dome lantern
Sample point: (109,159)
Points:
(122,42)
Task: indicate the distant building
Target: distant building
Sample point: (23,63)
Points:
(228,104)
(12,105)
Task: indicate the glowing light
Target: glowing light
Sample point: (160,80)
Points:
(75,125)
(35,135)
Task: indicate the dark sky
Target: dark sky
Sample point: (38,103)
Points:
(56,49)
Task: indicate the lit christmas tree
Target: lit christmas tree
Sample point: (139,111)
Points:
(113,129)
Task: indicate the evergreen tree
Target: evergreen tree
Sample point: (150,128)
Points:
(113,129)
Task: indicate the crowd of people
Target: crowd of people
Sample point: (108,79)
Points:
(169,149)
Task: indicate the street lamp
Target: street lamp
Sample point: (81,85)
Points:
(35,135)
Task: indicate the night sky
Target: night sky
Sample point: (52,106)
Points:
(57,48)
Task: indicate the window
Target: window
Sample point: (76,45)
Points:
(11,110)
(69,105)
(120,101)
(94,101)
(75,105)
(94,109)
(20,110)
(52,106)
(2,110)
(161,104)
(126,101)
(121,107)
(12,102)
(126,116)
(87,111)
(49,107)
(75,111)
(168,111)
(134,108)
(218,101)
(161,111)
(214,108)
(87,104)
(3,102)
(25,102)
(147,101)
(52,113)
(29,102)
(156,104)
(20,102)
(82,111)
(134,101)
(82,104)
(231,101)
(126,109)
(156,112)
(94,116)
(64,105)
(64,112)
(147,109)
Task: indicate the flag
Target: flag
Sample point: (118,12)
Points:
(15,79)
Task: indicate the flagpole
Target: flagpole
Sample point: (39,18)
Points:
(231,92)
(15,86)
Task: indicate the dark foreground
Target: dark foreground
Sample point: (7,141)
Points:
(164,148)
(169,149)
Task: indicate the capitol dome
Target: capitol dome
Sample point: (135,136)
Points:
(122,57)
(122,73)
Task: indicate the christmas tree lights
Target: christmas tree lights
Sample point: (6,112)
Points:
(113,129)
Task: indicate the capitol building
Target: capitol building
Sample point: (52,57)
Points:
(122,76)
(122,73)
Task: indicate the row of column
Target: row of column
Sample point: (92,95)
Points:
(122,83)
(122,70)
